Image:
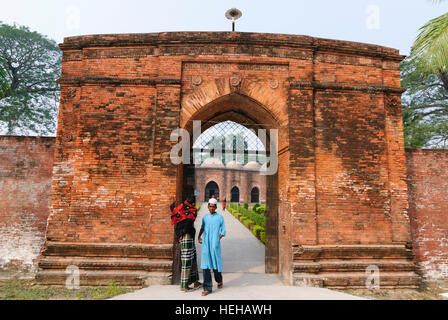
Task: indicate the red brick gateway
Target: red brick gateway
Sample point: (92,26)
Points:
(338,204)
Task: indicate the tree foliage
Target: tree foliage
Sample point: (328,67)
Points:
(30,65)
(425,76)
(431,46)
(425,106)
(5,87)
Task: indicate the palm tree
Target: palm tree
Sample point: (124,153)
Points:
(431,46)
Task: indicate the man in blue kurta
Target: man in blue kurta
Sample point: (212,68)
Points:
(214,230)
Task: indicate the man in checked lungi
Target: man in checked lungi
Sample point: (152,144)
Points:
(183,216)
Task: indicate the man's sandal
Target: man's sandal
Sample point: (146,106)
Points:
(220,285)
(204,293)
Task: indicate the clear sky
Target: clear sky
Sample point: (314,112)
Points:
(392,23)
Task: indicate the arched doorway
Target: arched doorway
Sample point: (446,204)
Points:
(255,195)
(253,115)
(212,189)
(235,194)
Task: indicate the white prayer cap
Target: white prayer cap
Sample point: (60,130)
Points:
(213,201)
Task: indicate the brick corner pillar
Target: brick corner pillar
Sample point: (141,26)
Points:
(401,233)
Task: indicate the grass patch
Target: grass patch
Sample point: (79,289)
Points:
(426,293)
(18,289)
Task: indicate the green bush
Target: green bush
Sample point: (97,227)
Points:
(258,219)
(254,208)
(246,205)
(263,237)
(261,210)
(256,230)
(248,222)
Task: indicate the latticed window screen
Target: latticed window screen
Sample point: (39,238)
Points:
(235,142)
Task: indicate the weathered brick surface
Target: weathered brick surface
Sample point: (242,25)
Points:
(428,209)
(341,178)
(26,165)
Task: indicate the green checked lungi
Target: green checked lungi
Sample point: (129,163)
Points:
(189,273)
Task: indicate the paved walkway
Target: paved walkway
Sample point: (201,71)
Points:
(243,273)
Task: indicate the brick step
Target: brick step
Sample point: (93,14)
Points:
(106,264)
(65,249)
(353,266)
(104,278)
(357,280)
(350,252)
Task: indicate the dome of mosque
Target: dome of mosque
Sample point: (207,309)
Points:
(253,165)
(212,163)
(234,165)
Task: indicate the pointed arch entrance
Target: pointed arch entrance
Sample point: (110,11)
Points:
(255,195)
(253,115)
(235,193)
(211,190)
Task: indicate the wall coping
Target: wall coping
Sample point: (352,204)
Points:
(246,38)
(26,137)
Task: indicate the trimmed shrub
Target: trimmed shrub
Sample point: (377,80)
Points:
(248,222)
(254,208)
(256,230)
(258,219)
(261,210)
(246,205)
(263,237)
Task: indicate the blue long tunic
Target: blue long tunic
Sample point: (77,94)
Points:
(213,226)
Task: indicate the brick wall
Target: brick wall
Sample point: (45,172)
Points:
(26,165)
(427,172)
